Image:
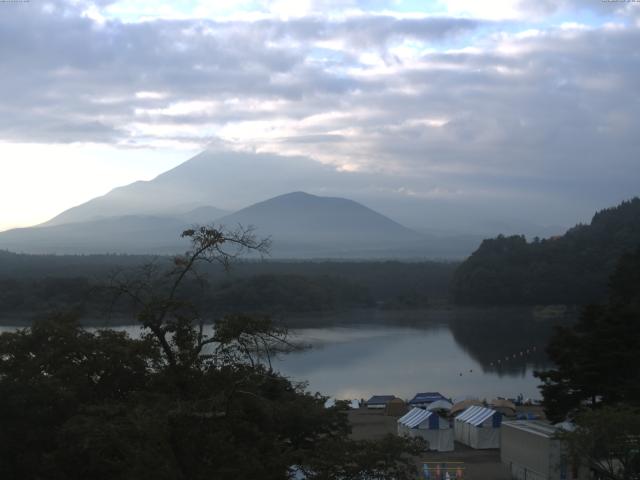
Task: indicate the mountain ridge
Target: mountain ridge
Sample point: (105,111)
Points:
(300,224)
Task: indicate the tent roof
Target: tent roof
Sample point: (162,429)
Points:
(378,399)
(415,417)
(476,415)
(460,406)
(440,405)
(427,397)
(502,403)
(462,398)
(535,427)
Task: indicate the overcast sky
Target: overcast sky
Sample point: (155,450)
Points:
(533,106)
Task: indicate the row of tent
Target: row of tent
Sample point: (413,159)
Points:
(477,427)
(437,402)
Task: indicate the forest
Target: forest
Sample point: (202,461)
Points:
(35,285)
(569,269)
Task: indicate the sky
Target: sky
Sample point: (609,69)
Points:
(529,108)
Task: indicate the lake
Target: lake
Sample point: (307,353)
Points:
(456,351)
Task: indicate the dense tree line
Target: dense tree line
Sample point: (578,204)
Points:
(34,285)
(571,269)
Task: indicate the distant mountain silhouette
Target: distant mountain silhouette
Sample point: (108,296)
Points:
(300,224)
(230,180)
(301,217)
(304,225)
(148,216)
(202,215)
(126,234)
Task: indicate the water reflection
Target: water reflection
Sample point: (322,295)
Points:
(504,341)
(455,351)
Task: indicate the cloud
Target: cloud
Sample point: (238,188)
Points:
(450,107)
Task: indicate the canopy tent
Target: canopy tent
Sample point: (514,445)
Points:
(379,401)
(425,398)
(460,407)
(478,427)
(440,405)
(435,430)
(505,407)
(354,404)
(462,398)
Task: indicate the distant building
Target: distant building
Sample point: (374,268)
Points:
(379,401)
(428,425)
(478,427)
(531,451)
(425,399)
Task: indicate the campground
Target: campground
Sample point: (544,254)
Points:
(370,424)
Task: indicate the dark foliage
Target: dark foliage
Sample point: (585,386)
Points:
(182,402)
(571,269)
(597,359)
(605,442)
(33,285)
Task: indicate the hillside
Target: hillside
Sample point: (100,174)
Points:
(299,222)
(300,226)
(228,180)
(570,269)
(134,234)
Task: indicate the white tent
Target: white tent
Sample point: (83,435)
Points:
(429,426)
(478,427)
(440,405)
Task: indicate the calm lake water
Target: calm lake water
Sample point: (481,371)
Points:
(486,353)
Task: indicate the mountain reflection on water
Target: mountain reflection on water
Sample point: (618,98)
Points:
(457,351)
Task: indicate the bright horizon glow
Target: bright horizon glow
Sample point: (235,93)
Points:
(45,180)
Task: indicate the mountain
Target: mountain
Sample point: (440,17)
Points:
(135,234)
(569,269)
(228,180)
(301,224)
(203,215)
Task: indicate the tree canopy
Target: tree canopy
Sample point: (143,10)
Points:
(180,402)
(568,269)
(597,358)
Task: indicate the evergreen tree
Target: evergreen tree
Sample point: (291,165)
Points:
(596,360)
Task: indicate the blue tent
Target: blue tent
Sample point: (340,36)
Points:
(379,401)
(425,398)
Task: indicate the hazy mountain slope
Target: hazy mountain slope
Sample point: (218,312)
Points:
(126,234)
(300,225)
(202,215)
(228,180)
(306,218)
